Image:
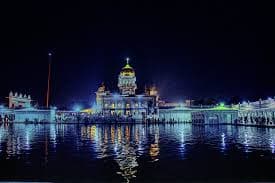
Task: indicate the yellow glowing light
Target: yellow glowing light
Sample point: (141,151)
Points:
(127,133)
(93,132)
(119,135)
(113,134)
(105,137)
(89,111)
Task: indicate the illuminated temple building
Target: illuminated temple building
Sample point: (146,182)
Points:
(127,103)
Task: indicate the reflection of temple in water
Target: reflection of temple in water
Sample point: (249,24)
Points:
(127,161)
(123,143)
(154,147)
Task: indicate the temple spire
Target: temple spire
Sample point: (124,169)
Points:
(127,60)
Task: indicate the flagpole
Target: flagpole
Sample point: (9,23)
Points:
(49,79)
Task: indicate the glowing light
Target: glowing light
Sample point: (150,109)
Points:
(223,141)
(182,141)
(246,142)
(127,60)
(222,106)
(88,111)
(181,104)
(77,108)
(116,96)
(272,145)
(244,102)
(140,97)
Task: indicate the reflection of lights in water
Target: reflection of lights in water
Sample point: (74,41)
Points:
(89,132)
(182,138)
(127,161)
(103,153)
(9,148)
(27,144)
(140,147)
(105,136)
(123,151)
(17,147)
(115,149)
(93,132)
(272,145)
(113,134)
(83,132)
(127,133)
(141,140)
(154,148)
(119,135)
(136,135)
(53,135)
(246,142)
(1,134)
(154,151)
(182,144)
(245,139)
(223,141)
(143,132)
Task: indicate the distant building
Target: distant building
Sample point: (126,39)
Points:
(19,100)
(216,115)
(127,103)
(177,114)
(20,110)
(34,115)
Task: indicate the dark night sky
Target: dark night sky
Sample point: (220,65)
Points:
(190,49)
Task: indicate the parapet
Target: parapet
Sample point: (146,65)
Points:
(20,95)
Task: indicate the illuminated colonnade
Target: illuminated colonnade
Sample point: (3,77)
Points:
(261,112)
(257,117)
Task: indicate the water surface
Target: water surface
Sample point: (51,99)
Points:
(136,153)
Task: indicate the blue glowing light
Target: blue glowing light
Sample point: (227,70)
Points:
(116,96)
(223,140)
(77,108)
(140,96)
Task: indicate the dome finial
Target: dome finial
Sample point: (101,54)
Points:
(127,60)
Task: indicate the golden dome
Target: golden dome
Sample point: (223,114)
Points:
(127,70)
